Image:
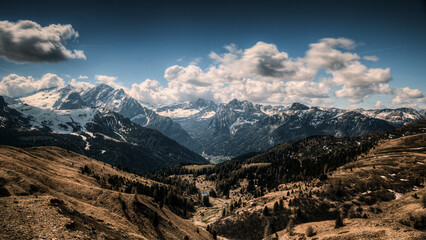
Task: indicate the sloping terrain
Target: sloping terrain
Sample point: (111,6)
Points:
(375,182)
(217,129)
(105,96)
(379,196)
(388,182)
(52,193)
(100,134)
(239,127)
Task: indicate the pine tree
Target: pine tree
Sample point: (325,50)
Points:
(266,211)
(155,220)
(424,200)
(339,221)
(214,234)
(276,207)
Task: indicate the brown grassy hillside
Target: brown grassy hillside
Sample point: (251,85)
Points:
(45,194)
(379,195)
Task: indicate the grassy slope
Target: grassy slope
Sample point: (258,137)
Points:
(31,177)
(394,170)
(393,164)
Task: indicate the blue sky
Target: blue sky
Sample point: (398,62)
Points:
(138,40)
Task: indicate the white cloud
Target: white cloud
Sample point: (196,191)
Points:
(83,77)
(264,74)
(105,79)
(326,54)
(407,95)
(357,80)
(357,94)
(80,84)
(110,80)
(16,86)
(148,91)
(379,104)
(371,58)
(27,41)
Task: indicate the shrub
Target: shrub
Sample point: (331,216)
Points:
(323,177)
(206,201)
(310,231)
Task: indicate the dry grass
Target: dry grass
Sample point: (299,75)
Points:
(395,165)
(199,167)
(256,165)
(34,176)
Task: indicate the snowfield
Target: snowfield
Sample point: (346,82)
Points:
(60,121)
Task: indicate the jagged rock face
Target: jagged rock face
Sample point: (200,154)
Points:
(101,134)
(117,100)
(103,96)
(233,128)
(298,106)
(73,101)
(240,126)
(10,118)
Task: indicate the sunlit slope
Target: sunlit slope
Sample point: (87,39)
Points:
(46,192)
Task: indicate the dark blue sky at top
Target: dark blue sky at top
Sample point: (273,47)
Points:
(135,40)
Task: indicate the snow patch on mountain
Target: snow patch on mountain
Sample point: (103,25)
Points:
(239,123)
(207,115)
(178,113)
(43,99)
(60,121)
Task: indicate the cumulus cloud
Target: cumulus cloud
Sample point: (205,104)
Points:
(264,74)
(407,95)
(27,41)
(263,61)
(148,91)
(357,81)
(357,94)
(105,79)
(83,77)
(110,80)
(16,86)
(326,54)
(80,84)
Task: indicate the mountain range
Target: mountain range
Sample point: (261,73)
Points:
(99,133)
(203,126)
(240,127)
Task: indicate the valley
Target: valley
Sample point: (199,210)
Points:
(258,172)
(379,195)
(212,120)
